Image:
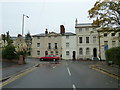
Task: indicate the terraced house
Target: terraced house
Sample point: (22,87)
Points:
(46,43)
(62,44)
(108,40)
(87,41)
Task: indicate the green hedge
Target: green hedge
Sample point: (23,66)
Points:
(113,54)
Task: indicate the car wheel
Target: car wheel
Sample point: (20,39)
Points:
(54,60)
(41,59)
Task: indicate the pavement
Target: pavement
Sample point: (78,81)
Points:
(102,65)
(9,69)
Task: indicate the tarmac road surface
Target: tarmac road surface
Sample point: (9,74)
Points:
(65,74)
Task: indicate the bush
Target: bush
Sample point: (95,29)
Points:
(24,53)
(8,52)
(113,54)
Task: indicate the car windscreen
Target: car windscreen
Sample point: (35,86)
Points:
(50,55)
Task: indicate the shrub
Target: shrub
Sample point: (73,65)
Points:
(8,52)
(113,54)
(24,53)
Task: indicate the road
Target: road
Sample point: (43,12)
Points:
(65,74)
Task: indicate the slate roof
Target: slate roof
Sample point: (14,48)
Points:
(43,34)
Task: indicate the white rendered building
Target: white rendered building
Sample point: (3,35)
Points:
(87,41)
(69,46)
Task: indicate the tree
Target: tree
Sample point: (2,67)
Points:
(7,38)
(28,40)
(105,13)
(8,52)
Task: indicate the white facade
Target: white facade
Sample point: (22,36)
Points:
(69,46)
(87,41)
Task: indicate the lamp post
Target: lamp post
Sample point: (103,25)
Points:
(23,23)
(99,46)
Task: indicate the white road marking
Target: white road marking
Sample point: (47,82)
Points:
(54,66)
(74,88)
(68,71)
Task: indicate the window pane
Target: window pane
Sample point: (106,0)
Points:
(49,45)
(55,45)
(38,52)
(80,51)
(105,42)
(56,52)
(67,44)
(105,34)
(112,34)
(80,39)
(67,53)
(87,51)
(94,39)
(51,52)
(87,39)
(113,43)
(38,45)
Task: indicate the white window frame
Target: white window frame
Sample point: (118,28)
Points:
(38,53)
(80,51)
(80,39)
(87,51)
(87,40)
(67,44)
(94,39)
(67,53)
(113,43)
(38,45)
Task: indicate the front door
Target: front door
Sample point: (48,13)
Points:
(74,55)
(94,52)
(46,53)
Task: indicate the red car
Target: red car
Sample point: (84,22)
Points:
(50,57)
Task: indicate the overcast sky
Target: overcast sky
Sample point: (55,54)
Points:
(44,14)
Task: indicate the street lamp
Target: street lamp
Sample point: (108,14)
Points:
(99,45)
(23,23)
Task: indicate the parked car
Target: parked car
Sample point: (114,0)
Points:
(49,57)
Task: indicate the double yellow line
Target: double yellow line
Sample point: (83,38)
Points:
(17,76)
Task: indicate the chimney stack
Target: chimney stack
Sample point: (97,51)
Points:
(46,32)
(62,29)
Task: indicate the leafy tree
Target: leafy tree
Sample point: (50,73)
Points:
(105,13)
(28,40)
(7,38)
(28,36)
(8,52)
(3,38)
